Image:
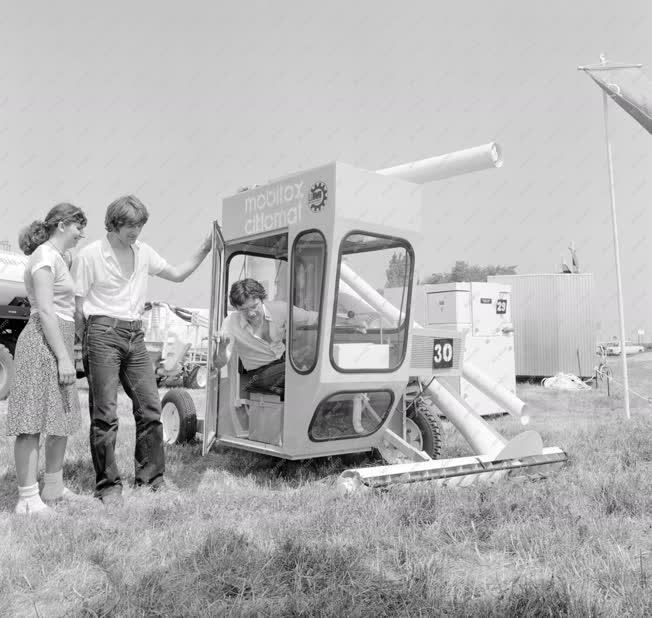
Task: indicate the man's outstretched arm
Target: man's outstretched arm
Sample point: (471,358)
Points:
(182,271)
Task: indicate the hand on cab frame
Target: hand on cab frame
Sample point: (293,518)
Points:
(222,342)
(219,353)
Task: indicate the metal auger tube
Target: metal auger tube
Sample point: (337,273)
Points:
(496,392)
(458,472)
(476,431)
(483,438)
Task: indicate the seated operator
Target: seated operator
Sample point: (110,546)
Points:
(258,330)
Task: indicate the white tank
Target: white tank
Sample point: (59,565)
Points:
(12,272)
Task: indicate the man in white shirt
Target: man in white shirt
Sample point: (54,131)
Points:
(110,292)
(257,330)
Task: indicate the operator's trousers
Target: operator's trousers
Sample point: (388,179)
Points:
(114,353)
(269,378)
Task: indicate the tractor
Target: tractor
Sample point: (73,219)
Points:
(333,240)
(176,357)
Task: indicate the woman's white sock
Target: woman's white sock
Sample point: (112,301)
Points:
(29,502)
(53,487)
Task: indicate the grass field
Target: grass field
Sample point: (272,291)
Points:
(238,534)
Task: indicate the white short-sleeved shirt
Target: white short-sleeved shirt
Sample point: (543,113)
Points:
(254,351)
(101,283)
(63,288)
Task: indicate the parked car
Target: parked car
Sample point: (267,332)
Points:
(612,348)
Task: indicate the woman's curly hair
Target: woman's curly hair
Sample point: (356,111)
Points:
(38,232)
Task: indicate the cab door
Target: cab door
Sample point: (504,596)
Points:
(214,325)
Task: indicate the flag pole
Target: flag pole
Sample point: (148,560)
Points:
(614,225)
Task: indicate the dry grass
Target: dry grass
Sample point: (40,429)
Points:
(247,535)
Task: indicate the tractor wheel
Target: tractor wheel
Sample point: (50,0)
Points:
(7,371)
(202,376)
(178,417)
(197,377)
(422,427)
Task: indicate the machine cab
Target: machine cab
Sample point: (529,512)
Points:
(325,244)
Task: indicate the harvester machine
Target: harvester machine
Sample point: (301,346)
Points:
(330,241)
(176,356)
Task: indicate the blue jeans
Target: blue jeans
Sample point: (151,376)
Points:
(115,354)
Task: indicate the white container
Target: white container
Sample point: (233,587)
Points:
(12,273)
(554,323)
(484,310)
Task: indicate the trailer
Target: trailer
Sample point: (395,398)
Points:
(14,313)
(323,240)
(554,323)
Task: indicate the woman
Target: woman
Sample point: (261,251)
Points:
(43,398)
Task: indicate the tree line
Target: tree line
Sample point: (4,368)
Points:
(461,271)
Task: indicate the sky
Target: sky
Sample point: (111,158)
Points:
(182,103)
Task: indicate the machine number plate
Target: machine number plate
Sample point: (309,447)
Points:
(442,354)
(501,306)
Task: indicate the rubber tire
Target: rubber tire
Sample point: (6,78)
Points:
(7,372)
(185,406)
(202,377)
(427,421)
(191,381)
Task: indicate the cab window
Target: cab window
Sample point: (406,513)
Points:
(371,313)
(307,285)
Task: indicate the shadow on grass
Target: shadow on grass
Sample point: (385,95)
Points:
(186,467)
(8,491)
(232,575)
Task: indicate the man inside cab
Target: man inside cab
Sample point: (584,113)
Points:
(257,331)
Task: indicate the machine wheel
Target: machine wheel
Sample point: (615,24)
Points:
(178,416)
(197,377)
(422,427)
(7,371)
(202,376)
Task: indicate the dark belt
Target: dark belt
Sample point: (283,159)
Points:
(105,320)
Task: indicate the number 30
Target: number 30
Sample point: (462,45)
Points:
(443,353)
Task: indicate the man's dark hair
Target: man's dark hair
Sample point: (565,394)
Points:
(243,290)
(126,210)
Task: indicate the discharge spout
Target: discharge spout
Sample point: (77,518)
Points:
(487,156)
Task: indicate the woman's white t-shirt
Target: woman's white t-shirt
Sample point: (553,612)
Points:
(63,288)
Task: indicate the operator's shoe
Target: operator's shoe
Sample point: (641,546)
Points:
(278,390)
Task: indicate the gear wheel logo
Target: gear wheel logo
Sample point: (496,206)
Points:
(318,196)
